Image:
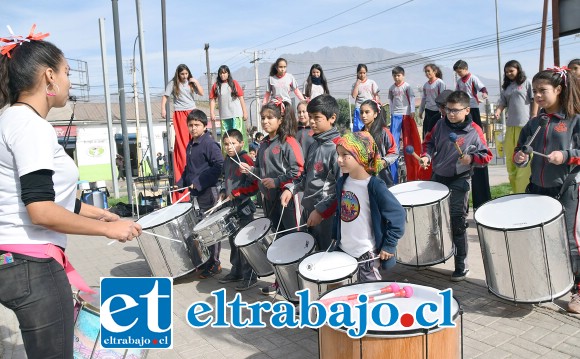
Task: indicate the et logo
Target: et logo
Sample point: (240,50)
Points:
(137,313)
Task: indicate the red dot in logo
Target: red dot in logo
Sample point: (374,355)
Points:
(407,320)
(154,341)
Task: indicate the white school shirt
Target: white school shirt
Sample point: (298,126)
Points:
(366,91)
(185,100)
(430,93)
(471,85)
(401,99)
(281,86)
(356,232)
(29,143)
(517,99)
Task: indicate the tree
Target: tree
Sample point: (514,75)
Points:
(343,120)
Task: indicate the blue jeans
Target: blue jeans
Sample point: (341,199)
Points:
(396,129)
(38,292)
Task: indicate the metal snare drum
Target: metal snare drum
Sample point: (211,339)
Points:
(524,245)
(168,258)
(428,239)
(253,241)
(322,271)
(284,254)
(217,226)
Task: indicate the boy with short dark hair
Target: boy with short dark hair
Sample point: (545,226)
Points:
(369,220)
(203,167)
(403,125)
(455,170)
(239,188)
(471,85)
(320,171)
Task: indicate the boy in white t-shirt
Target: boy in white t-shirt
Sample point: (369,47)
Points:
(369,219)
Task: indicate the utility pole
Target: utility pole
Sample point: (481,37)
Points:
(257,84)
(502,116)
(206,48)
(556,31)
(136,103)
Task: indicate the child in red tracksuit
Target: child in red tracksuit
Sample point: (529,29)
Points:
(279,162)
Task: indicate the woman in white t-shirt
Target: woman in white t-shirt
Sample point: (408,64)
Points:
(315,84)
(231,104)
(38,204)
(280,83)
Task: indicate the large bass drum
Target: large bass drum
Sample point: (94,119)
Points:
(168,258)
(427,240)
(524,245)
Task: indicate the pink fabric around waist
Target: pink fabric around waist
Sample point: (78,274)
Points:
(49,250)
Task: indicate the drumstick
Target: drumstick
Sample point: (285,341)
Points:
(250,172)
(410,150)
(177,190)
(312,265)
(182,198)
(394,287)
(453,138)
(153,234)
(291,229)
(527,149)
(406,292)
(348,265)
(279,222)
(216,206)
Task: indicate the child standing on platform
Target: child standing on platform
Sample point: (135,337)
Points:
(369,219)
(373,117)
(455,170)
(321,170)
(204,163)
(278,163)
(238,188)
(431,89)
(315,84)
(471,85)
(280,83)
(363,89)
(518,98)
(557,93)
(403,125)
(304,134)
(182,88)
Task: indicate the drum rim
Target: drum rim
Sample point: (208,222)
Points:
(399,333)
(294,261)
(229,212)
(477,223)
(316,281)
(169,220)
(86,304)
(257,239)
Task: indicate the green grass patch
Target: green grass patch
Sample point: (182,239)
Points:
(500,190)
(113,201)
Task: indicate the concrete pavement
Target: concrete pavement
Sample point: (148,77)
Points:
(493,328)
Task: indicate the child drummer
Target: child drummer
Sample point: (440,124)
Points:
(238,188)
(369,219)
(318,180)
(454,169)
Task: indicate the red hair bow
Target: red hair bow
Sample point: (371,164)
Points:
(560,71)
(280,103)
(14,40)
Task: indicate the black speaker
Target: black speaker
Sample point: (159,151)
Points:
(569,17)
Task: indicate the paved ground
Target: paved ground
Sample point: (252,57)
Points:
(493,328)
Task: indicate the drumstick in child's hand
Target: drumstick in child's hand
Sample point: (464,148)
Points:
(410,150)
(529,150)
(250,172)
(153,234)
(453,138)
(216,205)
(393,287)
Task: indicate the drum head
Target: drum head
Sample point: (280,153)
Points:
(518,211)
(290,248)
(421,295)
(327,266)
(418,193)
(164,215)
(252,232)
(214,217)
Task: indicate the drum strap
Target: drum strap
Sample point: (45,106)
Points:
(49,250)
(568,181)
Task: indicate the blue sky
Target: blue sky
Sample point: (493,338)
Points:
(236,28)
